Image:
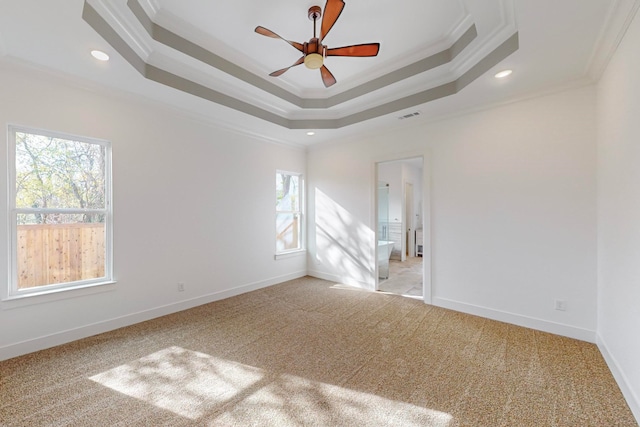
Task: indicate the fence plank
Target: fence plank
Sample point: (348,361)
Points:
(57,253)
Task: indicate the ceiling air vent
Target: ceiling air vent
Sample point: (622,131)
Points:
(408,116)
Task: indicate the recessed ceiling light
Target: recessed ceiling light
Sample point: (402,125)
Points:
(99,55)
(503,74)
(311,133)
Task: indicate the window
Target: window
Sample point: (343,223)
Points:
(288,212)
(60,211)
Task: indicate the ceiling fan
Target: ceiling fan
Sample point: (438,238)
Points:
(313,51)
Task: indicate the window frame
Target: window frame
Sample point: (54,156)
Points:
(279,254)
(12,290)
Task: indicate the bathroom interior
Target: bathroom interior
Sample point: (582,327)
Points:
(400,233)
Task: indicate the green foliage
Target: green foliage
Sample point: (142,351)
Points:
(55,173)
(287,192)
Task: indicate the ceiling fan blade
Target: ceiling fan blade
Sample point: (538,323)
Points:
(327,77)
(281,72)
(369,49)
(332,11)
(269,33)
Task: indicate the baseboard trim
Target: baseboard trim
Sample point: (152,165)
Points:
(517,319)
(350,281)
(63,337)
(630,396)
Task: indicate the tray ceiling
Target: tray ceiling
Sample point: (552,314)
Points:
(430,58)
(437,57)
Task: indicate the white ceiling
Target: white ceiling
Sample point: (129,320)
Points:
(560,43)
(425,25)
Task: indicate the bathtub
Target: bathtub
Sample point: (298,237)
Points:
(384,250)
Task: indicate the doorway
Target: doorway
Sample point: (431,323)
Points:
(399,200)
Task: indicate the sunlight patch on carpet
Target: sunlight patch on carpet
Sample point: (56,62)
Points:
(182,381)
(315,403)
(206,388)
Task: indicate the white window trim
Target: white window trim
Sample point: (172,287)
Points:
(302,250)
(290,254)
(11,291)
(56,295)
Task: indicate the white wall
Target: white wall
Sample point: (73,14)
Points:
(341,216)
(513,209)
(511,203)
(413,175)
(391,173)
(619,215)
(192,203)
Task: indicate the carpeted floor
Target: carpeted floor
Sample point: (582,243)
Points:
(310,352)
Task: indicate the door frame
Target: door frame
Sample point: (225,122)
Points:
(425,154)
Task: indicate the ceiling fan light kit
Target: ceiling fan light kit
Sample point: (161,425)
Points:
(313,61)
(313,51)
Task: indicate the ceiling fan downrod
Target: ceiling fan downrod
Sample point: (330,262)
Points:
(314,14)
(314,51)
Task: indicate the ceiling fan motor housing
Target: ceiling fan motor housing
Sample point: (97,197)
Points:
(314,53)
(315,12)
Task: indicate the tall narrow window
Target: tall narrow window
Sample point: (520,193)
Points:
(288,212)
(60,211)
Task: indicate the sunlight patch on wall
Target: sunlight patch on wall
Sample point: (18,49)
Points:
(343,243)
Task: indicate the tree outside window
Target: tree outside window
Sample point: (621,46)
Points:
(288,212)
(60,210)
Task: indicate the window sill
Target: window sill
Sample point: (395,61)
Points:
(290,254)
(22,300)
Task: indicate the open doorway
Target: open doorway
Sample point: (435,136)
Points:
(400,225)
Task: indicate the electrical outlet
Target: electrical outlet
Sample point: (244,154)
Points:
(561,305)
(180,286)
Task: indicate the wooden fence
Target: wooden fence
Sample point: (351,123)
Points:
(58,253)
(288,236)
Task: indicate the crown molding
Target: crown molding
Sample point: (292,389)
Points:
(391,128)
(176,42)
(118,22)
(21,68)
(179,82)
(619,19)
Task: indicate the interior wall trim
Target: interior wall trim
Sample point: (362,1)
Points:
(618,22)
(518,319)
(345,280)
(176,42)
(618,374)
(97,22)
(69,335)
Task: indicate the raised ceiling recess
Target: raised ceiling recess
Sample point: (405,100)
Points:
(213,53)
(314,52)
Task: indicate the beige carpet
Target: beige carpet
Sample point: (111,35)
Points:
(309,352)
